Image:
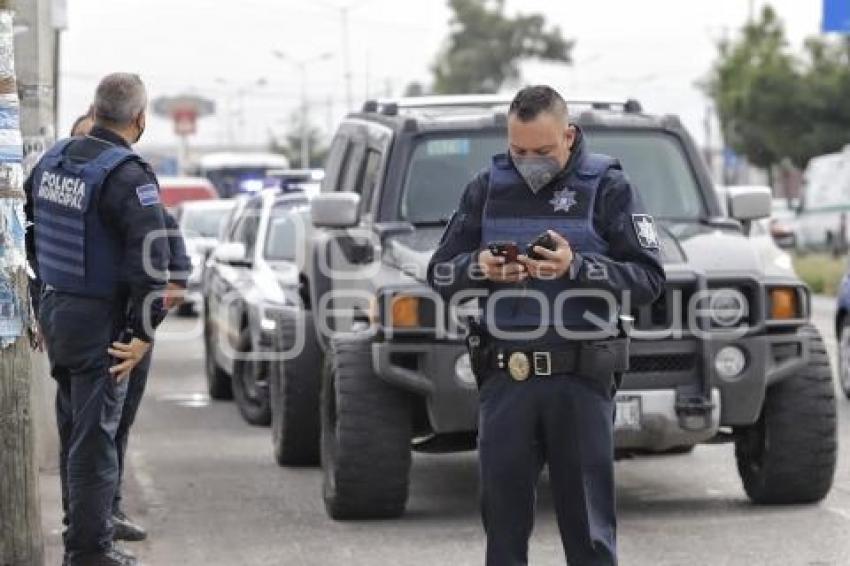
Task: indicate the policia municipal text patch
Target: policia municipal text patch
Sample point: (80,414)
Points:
(645,230)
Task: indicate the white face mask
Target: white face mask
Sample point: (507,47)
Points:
(537,170)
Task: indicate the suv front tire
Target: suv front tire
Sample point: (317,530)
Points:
(789,454)
(366,433)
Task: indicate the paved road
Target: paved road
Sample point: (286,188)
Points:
(207,486)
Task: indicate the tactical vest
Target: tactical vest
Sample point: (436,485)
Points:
(76,253)
(513,212)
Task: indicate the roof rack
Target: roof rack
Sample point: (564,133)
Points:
(391,106)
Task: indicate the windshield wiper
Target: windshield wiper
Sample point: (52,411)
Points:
(431,223)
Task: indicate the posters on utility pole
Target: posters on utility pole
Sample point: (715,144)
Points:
(12,220)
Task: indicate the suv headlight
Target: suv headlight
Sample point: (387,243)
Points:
(727,307)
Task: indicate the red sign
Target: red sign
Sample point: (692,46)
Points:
(184,121)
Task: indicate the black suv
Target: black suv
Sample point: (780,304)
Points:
(726,354)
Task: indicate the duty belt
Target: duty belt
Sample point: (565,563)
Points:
(522,364)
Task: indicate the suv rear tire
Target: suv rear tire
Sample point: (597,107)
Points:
(366,433)
(250,390)
(294,386)
(218,382)
(789,455)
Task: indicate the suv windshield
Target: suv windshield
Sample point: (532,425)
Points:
(441,167)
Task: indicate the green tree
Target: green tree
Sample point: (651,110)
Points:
(485,47)
(774,104)
(290,143)
(756,89)
(825,86)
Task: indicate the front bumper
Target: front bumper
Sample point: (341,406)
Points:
(661,426)
(663,374)
(428,369)
(679,363)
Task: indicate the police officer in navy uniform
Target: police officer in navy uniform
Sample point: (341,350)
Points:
(93,203)
(553,346)
(179,268)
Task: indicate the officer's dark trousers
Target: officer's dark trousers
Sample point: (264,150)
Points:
(566,422)
(135,392)
(77,332)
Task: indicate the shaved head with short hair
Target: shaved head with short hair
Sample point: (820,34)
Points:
(532,100)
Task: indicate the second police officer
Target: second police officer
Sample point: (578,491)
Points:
(97,251)
(547,353)
(179,268)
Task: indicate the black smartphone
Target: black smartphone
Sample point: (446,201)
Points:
(544,240)
(505,249)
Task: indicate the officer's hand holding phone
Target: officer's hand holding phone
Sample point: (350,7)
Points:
(131,353)
(499,269)
(552,264)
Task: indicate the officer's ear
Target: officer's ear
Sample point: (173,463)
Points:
(570,136)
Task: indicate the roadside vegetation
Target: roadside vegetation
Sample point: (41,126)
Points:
(821,271)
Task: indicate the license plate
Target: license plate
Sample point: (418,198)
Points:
(628,413)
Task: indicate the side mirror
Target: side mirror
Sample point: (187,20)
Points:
(748,202)
(233,253)
(335,210)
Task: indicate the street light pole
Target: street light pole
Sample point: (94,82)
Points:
(346,56)
(305,143)
(237,96)
(304,125)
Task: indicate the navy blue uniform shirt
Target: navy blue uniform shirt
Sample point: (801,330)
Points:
(628,264)
(121,211)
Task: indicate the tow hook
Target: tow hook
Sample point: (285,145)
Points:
(694,411)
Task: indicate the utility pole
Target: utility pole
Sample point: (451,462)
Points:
(305,143)
(304,127)
(21,541)
(346,57)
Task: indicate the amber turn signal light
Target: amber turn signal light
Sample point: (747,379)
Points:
(784,303)
(405,311)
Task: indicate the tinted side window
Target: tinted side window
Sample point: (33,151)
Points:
(246,229)
(237,229)
(334,164)
(370,178)
(227,227)
(350,176)
(249,237)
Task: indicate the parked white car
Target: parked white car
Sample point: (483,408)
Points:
(822,216)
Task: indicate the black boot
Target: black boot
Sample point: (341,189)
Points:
(125,529)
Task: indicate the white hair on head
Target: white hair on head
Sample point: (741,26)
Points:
(119,99)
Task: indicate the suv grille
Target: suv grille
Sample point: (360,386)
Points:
(662,363)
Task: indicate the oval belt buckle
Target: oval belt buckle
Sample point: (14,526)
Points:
(518,366)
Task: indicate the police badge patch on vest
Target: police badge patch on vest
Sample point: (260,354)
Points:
(563,200)
(645,230)
(148,194)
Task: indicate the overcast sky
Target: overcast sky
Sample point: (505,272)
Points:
(654,50)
